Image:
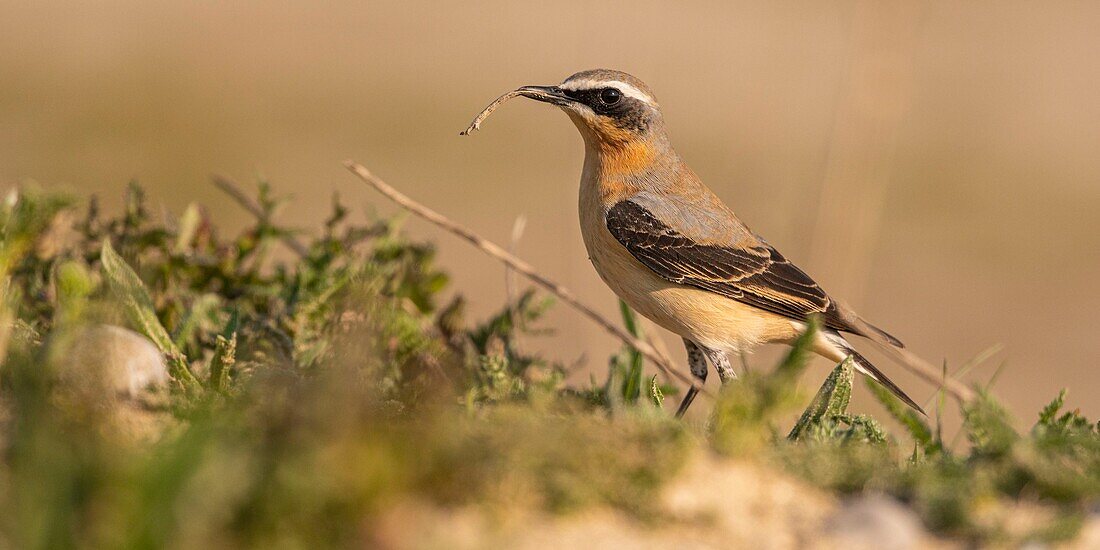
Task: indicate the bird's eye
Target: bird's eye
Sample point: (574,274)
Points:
(610,96)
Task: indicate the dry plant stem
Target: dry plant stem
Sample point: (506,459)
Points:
(519,265)
(658,346)
(510,280)
(914,364)
(961,392)
(230,187)
(484,114)
(433,363)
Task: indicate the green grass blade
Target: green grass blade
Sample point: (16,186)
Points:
(225,355)
(128,288)
(630,321)
(189,224)
(840,386)
(801,351)
(632,386)
(978,360)
(913,423)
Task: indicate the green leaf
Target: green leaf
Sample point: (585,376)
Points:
(632,385)
(25,216)
(188,227)
(988,427)
(225,354)
(128,288)
(74,285)
(201,308)
(918,429)
(656,395)
(801,351)
(630,321)
(830,402)
(865,428)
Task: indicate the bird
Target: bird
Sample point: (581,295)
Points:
(675,253)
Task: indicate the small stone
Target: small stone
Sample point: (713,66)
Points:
(115,359)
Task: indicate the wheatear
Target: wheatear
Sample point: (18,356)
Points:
(669,247)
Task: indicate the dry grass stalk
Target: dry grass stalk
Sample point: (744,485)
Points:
(484,114)
(918,366)
(517,264)
(230,187)
(510,279)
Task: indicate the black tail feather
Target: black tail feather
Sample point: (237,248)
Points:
(881,378)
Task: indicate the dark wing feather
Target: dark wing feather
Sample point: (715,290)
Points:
(759,276)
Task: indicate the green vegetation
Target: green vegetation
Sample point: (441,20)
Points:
(310,394)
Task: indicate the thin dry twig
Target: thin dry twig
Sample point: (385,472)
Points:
(658,345)
(510,280)
(230,187)
(914,364)
(520,266)
(484,114)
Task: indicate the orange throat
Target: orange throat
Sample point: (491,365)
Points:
(620,164)
(625,157)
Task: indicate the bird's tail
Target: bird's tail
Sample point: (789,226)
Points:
(854,324)
(882,333)
(867,368)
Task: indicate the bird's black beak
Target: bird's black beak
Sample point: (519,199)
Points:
(547,94)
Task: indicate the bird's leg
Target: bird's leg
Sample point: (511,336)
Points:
(721,363)
(698,363)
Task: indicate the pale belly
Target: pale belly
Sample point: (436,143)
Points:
(709,319)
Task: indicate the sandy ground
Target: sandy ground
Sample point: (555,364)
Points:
(713,504)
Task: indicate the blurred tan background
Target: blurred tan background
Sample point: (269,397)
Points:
(937,165)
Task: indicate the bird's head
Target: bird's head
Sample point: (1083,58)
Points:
(613,110)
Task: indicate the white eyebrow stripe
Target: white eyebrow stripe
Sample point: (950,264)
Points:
(626,89)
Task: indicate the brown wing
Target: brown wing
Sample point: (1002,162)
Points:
(759,276)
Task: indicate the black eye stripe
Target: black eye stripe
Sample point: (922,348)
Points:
(591,97)
(627,112)
(583,96)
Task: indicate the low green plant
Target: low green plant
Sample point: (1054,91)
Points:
(317,386)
